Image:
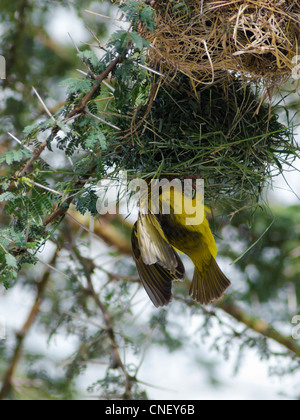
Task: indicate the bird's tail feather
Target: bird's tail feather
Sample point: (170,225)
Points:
(210,286)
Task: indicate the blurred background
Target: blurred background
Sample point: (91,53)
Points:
(181,352)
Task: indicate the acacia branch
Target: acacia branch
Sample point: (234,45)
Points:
(108,319)
(27,166)
(81,107)
(60,211)
(253,323)
(88,266)
(104,230)
(7,382)
(261,327)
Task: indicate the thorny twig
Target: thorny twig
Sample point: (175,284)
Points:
(117,363)
(80,108)
(7,382)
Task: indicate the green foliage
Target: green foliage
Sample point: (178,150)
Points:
(138,12)
(10,240)
(95,137)
(10,237)
(77,85)
(7,196)
(123,41)
(14,156)
(11,261)
(90,59)
(39,205)
(86,201)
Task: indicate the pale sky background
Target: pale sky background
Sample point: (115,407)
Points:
(174,372)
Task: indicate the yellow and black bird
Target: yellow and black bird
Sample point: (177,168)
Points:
(155,239)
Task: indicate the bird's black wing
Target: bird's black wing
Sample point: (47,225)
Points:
(156,279)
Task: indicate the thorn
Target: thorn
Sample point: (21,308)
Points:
(73,42)
(43,104)
(102,121)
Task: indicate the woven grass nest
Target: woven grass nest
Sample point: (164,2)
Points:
(258,39)
(220,133)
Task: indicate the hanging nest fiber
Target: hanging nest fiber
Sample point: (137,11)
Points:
(214,132)
(257,38)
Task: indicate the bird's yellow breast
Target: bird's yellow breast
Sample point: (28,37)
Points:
(186,236)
